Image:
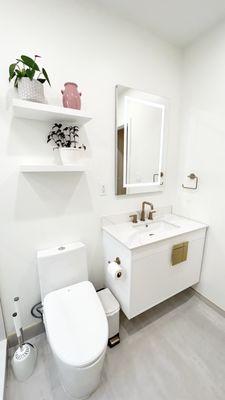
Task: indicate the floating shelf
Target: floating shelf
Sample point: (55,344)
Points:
(52,168)
(47,112)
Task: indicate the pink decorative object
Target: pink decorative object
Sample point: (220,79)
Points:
(71,96)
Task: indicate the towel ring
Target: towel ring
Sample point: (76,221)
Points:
(192,176)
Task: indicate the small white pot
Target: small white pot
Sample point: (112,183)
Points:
(31,90)
(56,155)
(70,155)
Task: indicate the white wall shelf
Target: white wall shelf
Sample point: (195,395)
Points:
(47,112)
(52,168)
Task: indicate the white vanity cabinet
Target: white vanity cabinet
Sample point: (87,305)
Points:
(148,276)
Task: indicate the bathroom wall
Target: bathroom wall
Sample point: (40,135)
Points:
(81,43)
(2,326)
(202,151)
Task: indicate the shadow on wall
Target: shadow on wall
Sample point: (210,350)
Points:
(33,196)
(28,138)
(46,195)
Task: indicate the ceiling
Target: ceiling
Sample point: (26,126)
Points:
(177,21)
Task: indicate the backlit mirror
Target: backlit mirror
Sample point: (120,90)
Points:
(140,141)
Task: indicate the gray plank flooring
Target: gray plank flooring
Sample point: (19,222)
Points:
(175,351)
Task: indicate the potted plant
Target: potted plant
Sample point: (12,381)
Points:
(67,149)
(29,78)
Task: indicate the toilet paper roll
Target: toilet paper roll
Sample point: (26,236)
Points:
(115,270)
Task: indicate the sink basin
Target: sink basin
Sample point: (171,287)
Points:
(155,227)
(142,233)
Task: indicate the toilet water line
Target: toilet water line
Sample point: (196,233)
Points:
(36,311)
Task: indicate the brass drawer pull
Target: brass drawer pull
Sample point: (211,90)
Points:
(179,253)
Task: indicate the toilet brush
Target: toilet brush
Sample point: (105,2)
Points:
(25,357)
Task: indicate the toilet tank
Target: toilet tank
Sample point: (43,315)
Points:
(61,266)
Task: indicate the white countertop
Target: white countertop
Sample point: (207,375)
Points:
(144,233)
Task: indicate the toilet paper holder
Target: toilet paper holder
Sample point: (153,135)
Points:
(117,260)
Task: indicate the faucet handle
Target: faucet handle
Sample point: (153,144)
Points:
(133,218)
(150,215)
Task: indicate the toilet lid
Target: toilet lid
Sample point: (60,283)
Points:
(76,324)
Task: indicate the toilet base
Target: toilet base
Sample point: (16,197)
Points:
(69,397)
(78,398)
(80,383)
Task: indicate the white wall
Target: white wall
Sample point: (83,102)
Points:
(82,44)
(202,150)
(2,326)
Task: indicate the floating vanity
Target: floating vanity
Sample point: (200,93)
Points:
(158,259)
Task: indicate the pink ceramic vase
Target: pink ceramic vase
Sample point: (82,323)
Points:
(71,96)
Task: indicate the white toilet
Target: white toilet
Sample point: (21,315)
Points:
(75,321)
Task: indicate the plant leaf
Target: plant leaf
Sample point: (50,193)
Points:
(30,73)
(23,73)
(12,71)
(16,82)
(46,76)
(30,62)
(18,73)
(12,76)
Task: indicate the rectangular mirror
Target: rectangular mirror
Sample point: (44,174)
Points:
(140,141)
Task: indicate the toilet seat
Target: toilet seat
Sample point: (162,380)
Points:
(76,324)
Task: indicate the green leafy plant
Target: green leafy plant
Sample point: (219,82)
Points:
(65,137)
(26,67)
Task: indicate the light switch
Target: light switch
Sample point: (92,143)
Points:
(102,189)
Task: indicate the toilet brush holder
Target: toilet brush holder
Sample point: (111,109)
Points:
(24,361)
(25,357)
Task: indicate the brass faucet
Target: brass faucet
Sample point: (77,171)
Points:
(134,218)
(143,210)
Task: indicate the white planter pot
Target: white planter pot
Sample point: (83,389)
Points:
(70,156)
(56,155)
(31,90)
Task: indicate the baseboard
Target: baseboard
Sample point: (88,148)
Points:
(38,328)
(209,303)
(29,332)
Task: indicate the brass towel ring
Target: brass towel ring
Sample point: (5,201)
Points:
(192,176)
